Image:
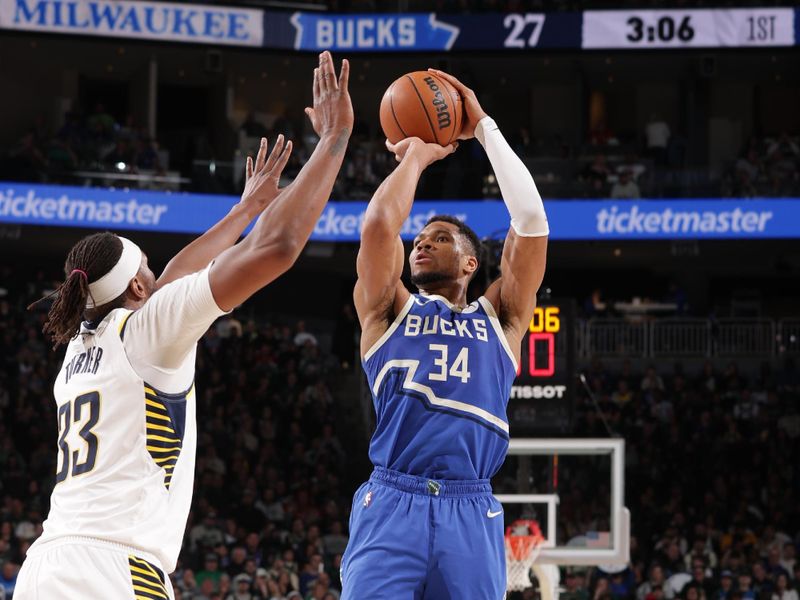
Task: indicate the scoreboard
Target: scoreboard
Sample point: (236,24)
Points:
(543,394)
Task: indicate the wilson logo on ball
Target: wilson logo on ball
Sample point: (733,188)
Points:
(442,113)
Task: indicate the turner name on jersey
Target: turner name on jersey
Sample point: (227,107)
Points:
(85,362)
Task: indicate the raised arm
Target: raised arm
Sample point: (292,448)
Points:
(283,229)
(224,234)
(525,252)
(379,294)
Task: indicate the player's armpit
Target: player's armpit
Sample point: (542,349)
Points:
(522,269)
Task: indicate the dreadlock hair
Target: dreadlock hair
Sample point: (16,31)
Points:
(463,229)
(87,261)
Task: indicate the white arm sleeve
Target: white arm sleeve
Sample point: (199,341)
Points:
(516,183)
(160,338)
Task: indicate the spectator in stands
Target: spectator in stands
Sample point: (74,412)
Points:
(238,556)
(762,584)
(655,580)
(745,586)
(702,552)
(783,591)
(60,156)
(725,586)
(210,572)
(625,186)
(701,578)
(596,176)
(622,395)
(747,172)
(101,121)
(187,583)
(657,135)
(241,588)
(602,590)
(8,578)
(145,156)
(651,380)
(783,159)
(303,337)
(574,587)
(787,560)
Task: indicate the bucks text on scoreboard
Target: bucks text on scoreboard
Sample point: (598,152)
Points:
(543,393)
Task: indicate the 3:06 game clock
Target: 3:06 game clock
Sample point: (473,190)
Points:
(542,397)
(688,28)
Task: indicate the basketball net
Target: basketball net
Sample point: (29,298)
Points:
(523,542)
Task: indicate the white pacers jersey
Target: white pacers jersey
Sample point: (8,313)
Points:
(126,422)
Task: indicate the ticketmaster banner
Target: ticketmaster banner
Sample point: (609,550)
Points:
(93,208)
(198,23)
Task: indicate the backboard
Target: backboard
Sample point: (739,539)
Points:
(575,489)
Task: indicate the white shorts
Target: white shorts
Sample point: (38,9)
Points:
(77,568)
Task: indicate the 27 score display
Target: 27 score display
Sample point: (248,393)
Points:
(745,27)
(543,393)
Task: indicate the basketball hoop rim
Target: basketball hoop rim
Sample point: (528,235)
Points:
(523,548)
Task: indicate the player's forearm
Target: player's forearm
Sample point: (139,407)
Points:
(391,204)
(519,191)
(291,218)
(208,246)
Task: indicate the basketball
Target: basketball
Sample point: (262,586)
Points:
(422,105)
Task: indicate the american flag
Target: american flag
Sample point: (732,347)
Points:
(598,539)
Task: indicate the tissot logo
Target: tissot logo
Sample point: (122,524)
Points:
(538,391)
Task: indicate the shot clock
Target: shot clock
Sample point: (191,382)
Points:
(543,393)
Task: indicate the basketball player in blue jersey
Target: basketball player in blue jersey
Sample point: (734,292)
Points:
(125,394)
(426,526)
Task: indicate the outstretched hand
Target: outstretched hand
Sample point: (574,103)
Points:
(425,153)
(263,176)
(332,110)
(472,108)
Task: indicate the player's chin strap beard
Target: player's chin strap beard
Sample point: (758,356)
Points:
(421,280)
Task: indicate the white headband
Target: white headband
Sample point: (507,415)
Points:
(113,283)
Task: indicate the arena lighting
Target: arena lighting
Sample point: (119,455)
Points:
(121,166)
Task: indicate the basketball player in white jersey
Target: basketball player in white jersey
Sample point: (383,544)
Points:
(125,393)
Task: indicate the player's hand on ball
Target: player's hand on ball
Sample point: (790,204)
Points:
(425,153)
(332,111)
(472,108)
(263,176)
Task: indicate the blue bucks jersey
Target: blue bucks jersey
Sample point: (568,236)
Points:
(440,381)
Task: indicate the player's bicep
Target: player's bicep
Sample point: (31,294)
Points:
(241,271)
(522,267)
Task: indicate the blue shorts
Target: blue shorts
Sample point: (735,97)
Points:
(413,538)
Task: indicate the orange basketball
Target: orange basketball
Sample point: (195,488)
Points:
(422,105)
